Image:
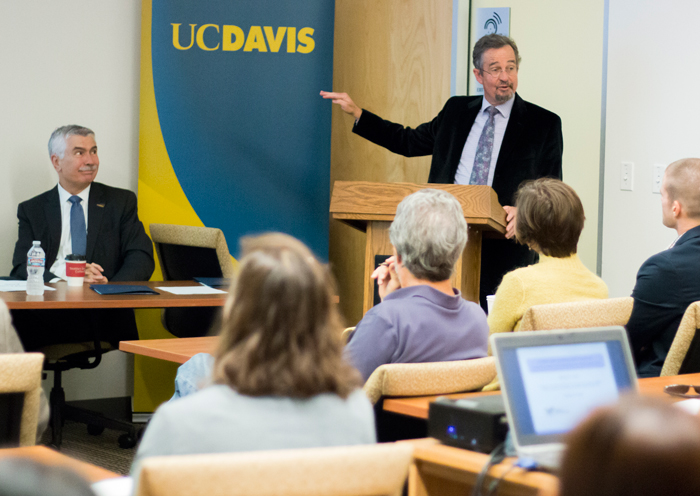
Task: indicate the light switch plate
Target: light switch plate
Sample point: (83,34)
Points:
(656,176)
(627,176)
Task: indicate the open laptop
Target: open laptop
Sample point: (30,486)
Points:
(552,379)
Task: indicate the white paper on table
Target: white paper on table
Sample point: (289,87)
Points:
(19,286)
(119,486)
(191,290)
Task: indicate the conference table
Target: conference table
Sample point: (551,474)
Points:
(177,350)
(66,297)
(443,470)
(418,406)
(47,456)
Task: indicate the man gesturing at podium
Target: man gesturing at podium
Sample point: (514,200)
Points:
(498,140)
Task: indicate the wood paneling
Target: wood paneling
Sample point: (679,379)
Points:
(393,58)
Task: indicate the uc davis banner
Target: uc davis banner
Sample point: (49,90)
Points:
(233,133)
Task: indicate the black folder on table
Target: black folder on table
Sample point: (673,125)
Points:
(214,282)
(121,289)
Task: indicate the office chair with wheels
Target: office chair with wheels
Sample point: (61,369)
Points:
(84,356)
(186,252)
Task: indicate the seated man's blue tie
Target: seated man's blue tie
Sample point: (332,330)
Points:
(78,230)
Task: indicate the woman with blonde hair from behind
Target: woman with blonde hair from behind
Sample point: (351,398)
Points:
(639,447)
(280,377)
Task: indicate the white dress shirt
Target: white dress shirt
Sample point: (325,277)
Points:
(466,162)
(66,247)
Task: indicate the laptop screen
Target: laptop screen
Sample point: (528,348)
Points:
(552,380)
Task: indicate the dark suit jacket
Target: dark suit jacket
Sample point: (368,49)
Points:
(666,284)
(116,239)
(532,147)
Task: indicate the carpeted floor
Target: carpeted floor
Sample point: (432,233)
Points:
(102,450)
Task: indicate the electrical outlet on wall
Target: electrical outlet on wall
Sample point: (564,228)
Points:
(656,176)
(627,176)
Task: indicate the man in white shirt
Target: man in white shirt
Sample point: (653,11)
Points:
(499,140)
(80,216)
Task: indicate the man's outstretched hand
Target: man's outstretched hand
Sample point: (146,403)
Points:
(345,102)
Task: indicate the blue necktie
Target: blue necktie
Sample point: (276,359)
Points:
(482,160)
(78,231)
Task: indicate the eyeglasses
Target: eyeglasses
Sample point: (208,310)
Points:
(496,73)
(682,390)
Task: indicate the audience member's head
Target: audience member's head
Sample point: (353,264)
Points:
(281,330)
(550,217)
(73,153)
(24,477)
(638,447)
(429,234)
(680,191)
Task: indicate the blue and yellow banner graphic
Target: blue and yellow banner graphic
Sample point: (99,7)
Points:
(233,133)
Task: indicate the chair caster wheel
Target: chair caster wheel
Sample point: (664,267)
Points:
(126,441)
(95,429)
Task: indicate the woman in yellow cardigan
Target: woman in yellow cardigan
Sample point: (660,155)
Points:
(549,220)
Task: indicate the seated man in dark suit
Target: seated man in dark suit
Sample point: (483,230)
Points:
(669,281)
(80,216)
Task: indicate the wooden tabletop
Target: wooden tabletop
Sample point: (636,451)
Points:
(418,406)
(177,350)
(83,297)
(444,470)
(42,454)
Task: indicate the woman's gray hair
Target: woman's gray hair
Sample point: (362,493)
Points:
(429,233)
(57,141)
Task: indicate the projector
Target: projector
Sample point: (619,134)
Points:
(477,424)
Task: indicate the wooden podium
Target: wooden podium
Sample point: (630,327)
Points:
(370,207)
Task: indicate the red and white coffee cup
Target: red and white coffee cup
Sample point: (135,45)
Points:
(75,269)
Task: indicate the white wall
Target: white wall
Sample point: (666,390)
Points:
(652,118)
(65,62)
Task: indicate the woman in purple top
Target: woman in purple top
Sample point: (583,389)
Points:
(421,318)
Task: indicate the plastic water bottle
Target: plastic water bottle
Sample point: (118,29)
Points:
(36,260)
